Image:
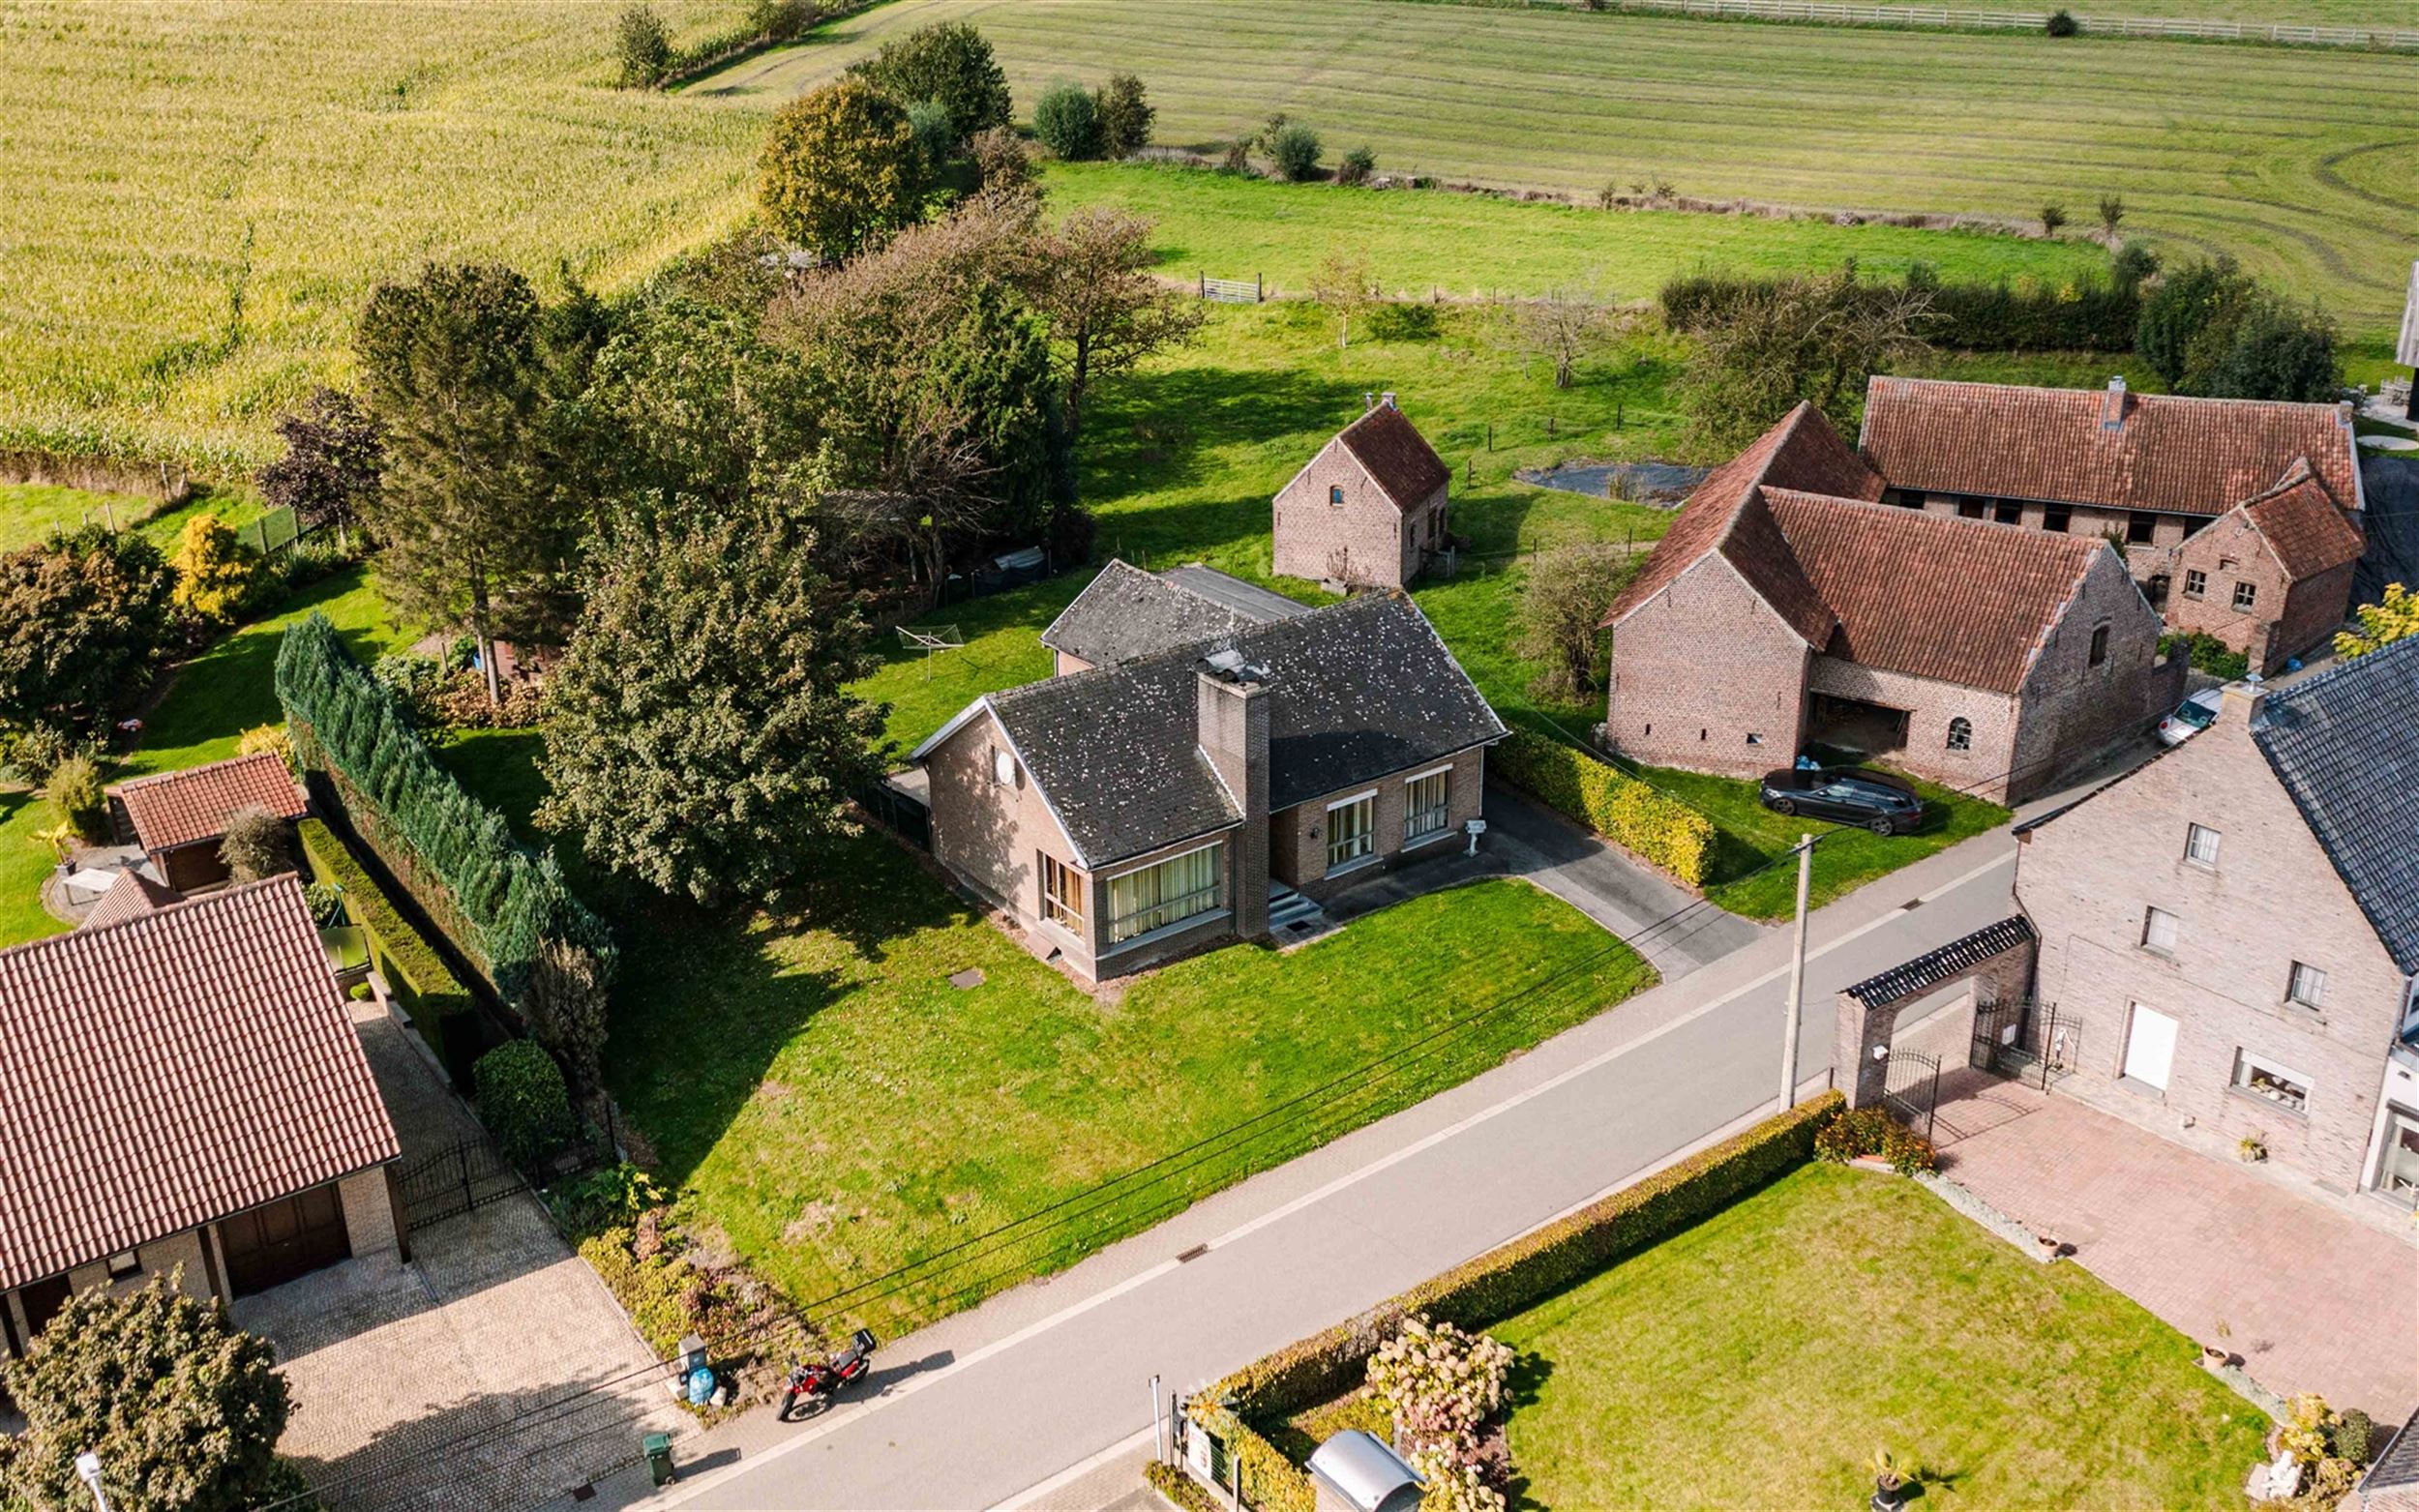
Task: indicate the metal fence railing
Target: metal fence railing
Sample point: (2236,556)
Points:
(1838,13)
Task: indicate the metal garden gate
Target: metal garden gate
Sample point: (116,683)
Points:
(463,1177)
(1911,1088)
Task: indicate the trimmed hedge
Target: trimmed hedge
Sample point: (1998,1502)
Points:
(499,904)
(1610,802)
(2091,314)
(414,971)
(523,1102)
(1495,1286)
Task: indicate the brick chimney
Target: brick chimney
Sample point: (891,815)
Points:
(2241,703)
(1386,399)
(1231,704)
(2112,405)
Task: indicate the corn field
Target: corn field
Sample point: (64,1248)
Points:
(201,193)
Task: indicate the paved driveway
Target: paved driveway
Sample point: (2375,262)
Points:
(1630,899)
(493,1320)
(2311,1299)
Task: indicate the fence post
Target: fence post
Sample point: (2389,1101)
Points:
(462,1161)
(1205,284)
(1259,289)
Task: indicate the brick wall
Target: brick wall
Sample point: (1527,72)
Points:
(1298,839)
(1699,669)
(993,835)
(2072,711)
(369,1218)
(2272,897)
(1363,542)
(2285,618)
(1065,665)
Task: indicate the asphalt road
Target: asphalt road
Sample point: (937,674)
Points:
(986,1405)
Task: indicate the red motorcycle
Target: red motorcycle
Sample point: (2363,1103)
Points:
(816,1383)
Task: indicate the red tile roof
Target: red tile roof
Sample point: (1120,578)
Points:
(1961,600)
(2302,526)
(1723,515)
(1396,455)
(2194,455)
(179,807)
(132,896)
(169,1071)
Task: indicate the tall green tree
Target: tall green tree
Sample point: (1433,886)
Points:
(1091,279)
(643,45)
(2212,330)
(700,736)
(2191,303)
(470,516)
(183,1408)
(85,618)
(841,169)
(1124,114)
(952,63)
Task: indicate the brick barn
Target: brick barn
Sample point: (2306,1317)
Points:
(1786,608)
(2240,517)
(1369,510)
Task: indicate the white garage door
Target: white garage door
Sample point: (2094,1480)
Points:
(2150,1047)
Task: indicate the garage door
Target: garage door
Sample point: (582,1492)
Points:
(274,1244)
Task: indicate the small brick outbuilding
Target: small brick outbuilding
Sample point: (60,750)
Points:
(1369,510)
(179,817)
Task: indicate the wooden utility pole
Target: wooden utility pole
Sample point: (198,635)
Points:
(1797,982)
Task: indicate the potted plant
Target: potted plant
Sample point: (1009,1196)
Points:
(2213,1355)
(2252,1148)
(1890,1480)
(2046,1246)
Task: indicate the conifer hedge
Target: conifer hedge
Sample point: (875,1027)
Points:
(499,903)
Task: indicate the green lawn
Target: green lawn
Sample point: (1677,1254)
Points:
(212,700)
(1750,838)
(31,511)
(1756,1359)
(2294,159)
(822,1096)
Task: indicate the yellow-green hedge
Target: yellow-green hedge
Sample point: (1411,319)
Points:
(1610,802)
(1495,1286)
(432,995)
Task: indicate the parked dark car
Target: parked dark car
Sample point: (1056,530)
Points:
(1847,795)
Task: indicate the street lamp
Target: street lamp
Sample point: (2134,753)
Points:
(88,1468)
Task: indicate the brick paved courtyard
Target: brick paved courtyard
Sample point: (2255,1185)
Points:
(494,1326)
(2312,1299)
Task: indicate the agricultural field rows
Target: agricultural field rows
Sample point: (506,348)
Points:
(2403,13)
(2298,161)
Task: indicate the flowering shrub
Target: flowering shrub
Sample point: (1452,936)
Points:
(1443,1387)
(2312,1433)
(1452,1486)
(1870,1131)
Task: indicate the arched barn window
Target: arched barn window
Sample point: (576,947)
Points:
(1960,734)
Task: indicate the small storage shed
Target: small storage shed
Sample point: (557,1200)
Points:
(179,817)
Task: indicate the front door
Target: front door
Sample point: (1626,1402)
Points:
(2399,1172)
(2150,1047)
(274,1244)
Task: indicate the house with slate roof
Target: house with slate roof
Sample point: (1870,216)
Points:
(2231,932)
(2242,518)
(1191,780)
(1369,510)
(1786,608)
(183,1088)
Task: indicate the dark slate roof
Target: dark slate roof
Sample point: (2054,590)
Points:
(1127,612)
(1356,690)
(2343,745)
(2399,1466)
(1927,971)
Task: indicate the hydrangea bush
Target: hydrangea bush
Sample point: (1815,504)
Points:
(1443,1388)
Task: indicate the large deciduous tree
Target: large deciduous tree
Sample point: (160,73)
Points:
(2395,616)
(2212,330)
(329,474)
(1561,607)
(1124,115)
(841,169)
(1091,279)
(183,1410)
(472,521)
(952,63)
(1813,339)
(698,736)
(1563,326)
(83,618)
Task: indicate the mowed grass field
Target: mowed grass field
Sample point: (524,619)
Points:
(2298,161)
(201,194)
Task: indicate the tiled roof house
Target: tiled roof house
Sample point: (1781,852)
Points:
(2231,932)
(1142,808)
(1368,509)
(183,1088)
(2178,481)
(1786,608)
(179,817)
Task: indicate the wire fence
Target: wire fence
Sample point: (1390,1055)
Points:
(1836,13)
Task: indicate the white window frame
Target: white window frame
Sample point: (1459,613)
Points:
(1367,838)
(1220,904)
(1960,734)
(2194,834)
(1444,809)
(2151,915)
(2293,978)
(2248,1062)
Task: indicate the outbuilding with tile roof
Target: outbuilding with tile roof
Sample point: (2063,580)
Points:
(182,1087)
(179,817)
(1787,610)
(1369,510)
